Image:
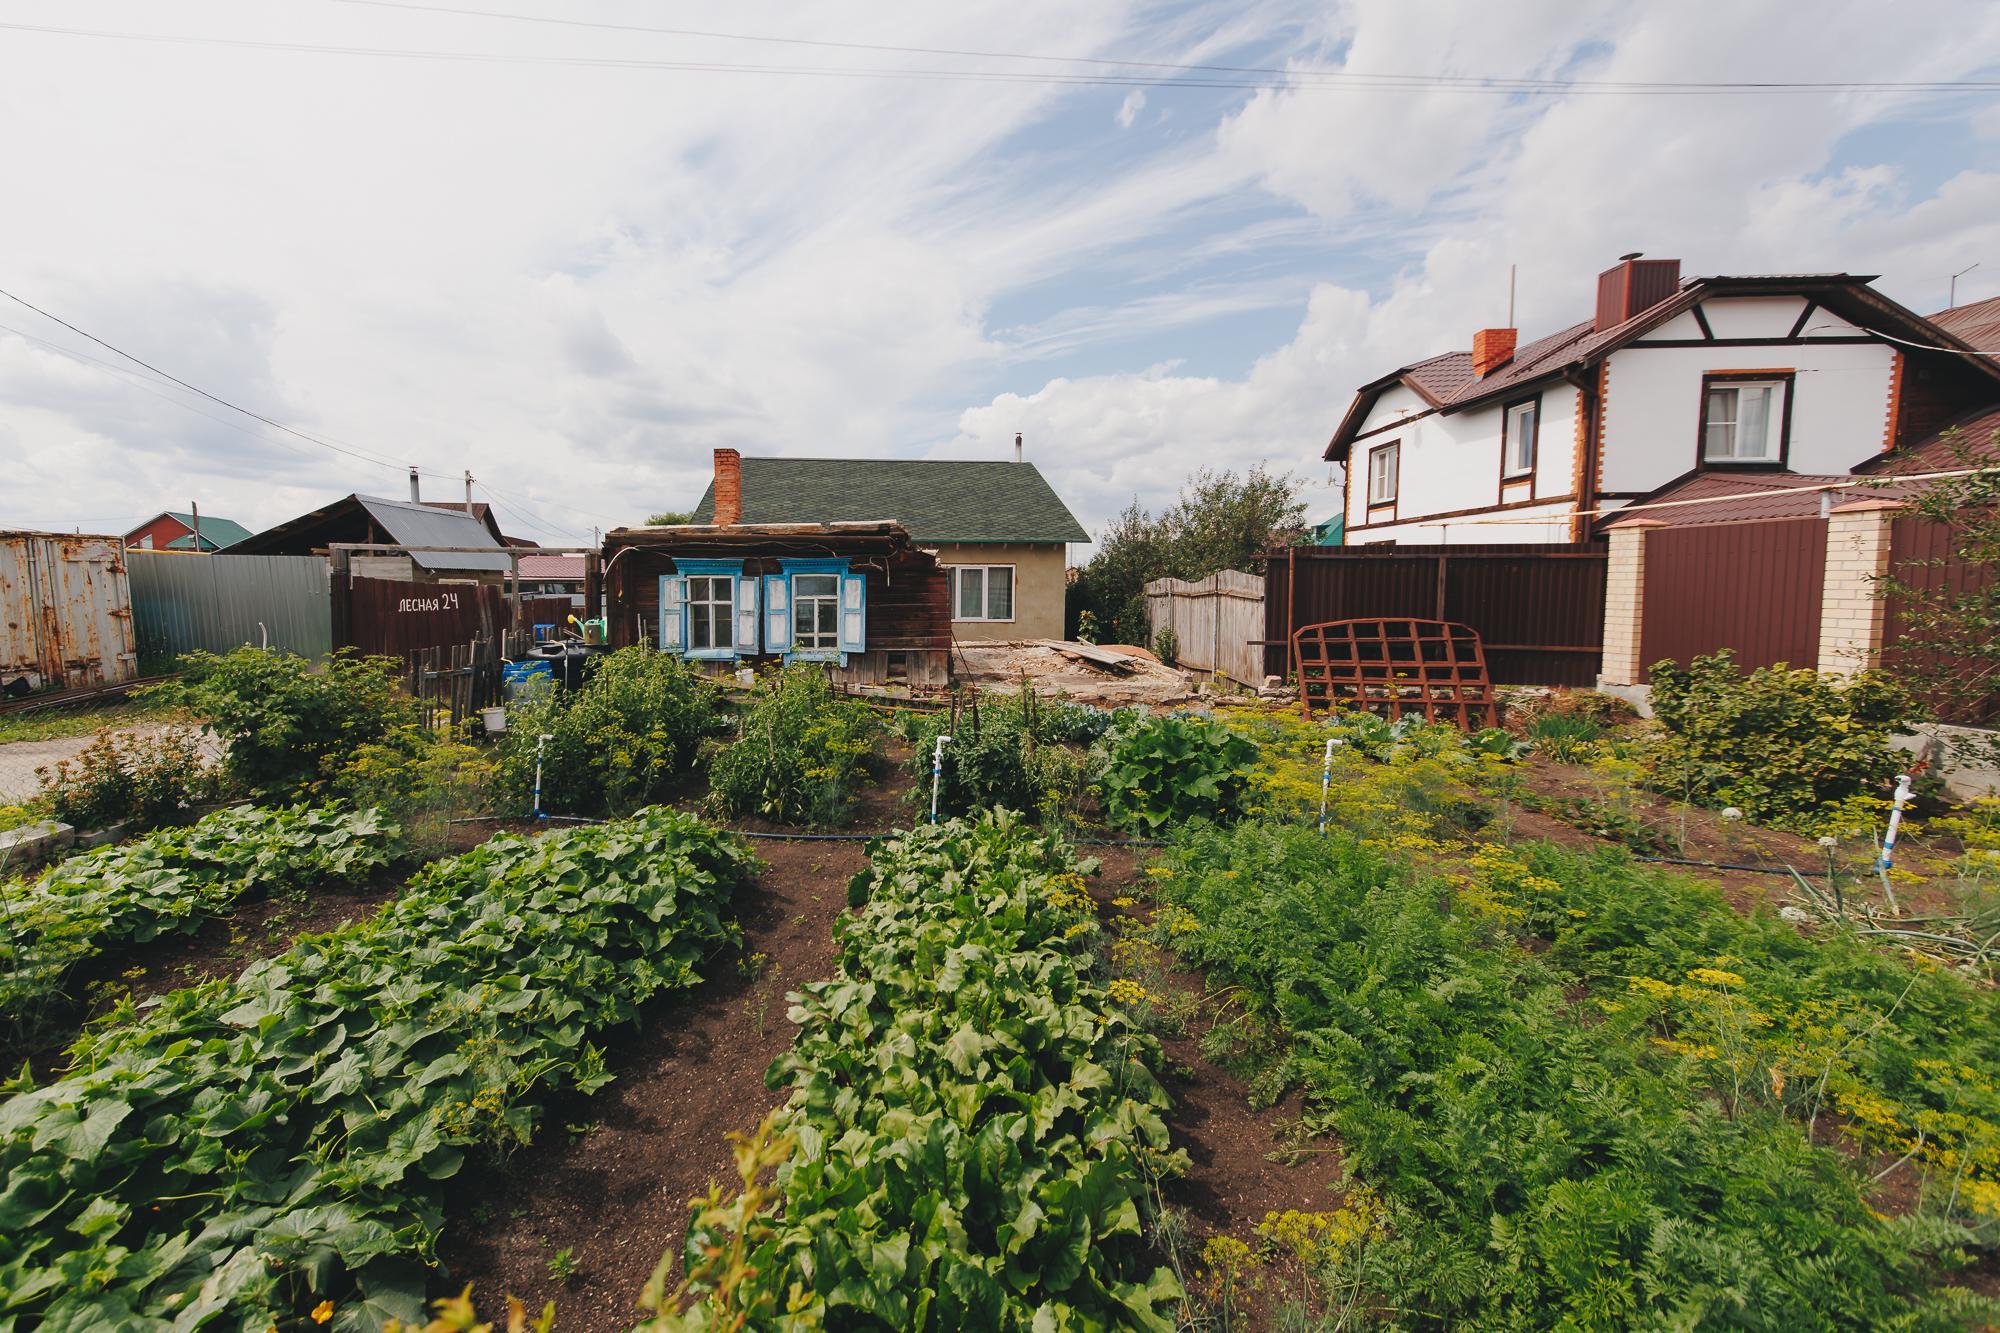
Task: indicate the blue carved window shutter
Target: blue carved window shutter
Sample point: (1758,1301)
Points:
(777,613)
(853,613)
(673,613)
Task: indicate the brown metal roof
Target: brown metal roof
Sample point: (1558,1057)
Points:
(1978,323)
(1945,450)
(1714,498)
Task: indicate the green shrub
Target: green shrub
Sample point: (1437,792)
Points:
(800,752)
(1005,753)
(1567,738)
(1167,769)
(625,739)
(1167,645)
(129,776)
(287,722)
(421,777)
(1786,747)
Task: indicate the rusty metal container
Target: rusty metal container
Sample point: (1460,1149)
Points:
(65,612)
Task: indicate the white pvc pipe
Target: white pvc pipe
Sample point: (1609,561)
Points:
(937,774)
(539,745)
(1326,779)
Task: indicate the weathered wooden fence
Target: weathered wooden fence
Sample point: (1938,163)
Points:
(1216,621)
(1539,609)
(452,682)
(1753,587)
(181,602)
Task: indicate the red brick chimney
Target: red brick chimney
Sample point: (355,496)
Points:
(1492,349)
(728,487)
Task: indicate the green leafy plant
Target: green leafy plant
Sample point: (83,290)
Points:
(563,1267)
(1786,747)
(1167,769)
(147,780)
(627,738)
(171,882)
(976,1120)
(1167,645)
(800,752)
(1567,738)
(423,777)
(282,1142)
(288,721)
(1550,1148)
(1005,753)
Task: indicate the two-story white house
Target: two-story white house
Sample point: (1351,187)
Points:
(1668,380)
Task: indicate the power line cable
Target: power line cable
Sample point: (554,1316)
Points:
(1288,72)
(197,389)
(1288,81)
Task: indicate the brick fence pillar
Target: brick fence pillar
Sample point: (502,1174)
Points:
(1625,602)
(1852,615)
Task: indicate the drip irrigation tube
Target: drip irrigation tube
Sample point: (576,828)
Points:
(810,837)
(1716,865)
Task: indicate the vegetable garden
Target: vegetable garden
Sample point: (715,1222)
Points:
(1484,1056)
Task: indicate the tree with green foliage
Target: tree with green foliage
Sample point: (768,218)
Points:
(671,518)
(1955,622)
(1220,521)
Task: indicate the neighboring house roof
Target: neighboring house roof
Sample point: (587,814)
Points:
(1978,324)
(215,532)
(937,500)
(405,523)
(1446,383)
(1941,452)
(552,567)
(480,510)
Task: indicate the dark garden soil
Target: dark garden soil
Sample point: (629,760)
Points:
(612,1176)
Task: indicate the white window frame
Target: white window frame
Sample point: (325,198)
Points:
(692,603)
(952,574)
(1513,465)
(1774,420)
(1392,451)
(824,641)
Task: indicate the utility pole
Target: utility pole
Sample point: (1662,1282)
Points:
(194,512)
(1510,295)
(468,490)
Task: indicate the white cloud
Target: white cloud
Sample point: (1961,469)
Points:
(577,281)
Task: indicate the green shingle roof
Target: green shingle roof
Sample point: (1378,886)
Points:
(214,531)
(937,500)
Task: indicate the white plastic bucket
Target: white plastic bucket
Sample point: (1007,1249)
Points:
(495,719)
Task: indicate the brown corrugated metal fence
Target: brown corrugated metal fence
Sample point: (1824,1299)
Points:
(1753,587)
(1921,555)
(1539,609)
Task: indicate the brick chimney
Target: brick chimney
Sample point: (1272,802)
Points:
(728,487)
(1492,349)
(1633,286)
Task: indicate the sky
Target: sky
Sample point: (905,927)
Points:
(575,257)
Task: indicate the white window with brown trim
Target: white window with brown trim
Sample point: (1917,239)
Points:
(1384,469)
(1744,419)
(981,592)
(1518,450)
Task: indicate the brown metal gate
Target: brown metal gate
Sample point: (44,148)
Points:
(1753,587)
(1922,555)
(391,618)
(1539,608)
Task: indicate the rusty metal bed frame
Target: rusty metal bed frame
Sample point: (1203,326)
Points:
(1395,666)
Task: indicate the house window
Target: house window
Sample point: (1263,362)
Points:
(815,612)
(711,613)
(1743,420)
(981,592)
(1522,421)
(1383,466)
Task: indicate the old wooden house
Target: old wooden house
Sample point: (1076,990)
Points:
(861,597)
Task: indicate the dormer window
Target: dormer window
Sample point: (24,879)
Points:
(1744,418)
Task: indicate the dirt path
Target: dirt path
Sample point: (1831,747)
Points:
(616,1193)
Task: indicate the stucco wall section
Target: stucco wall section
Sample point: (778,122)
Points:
(1039,587)
(1452,463)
